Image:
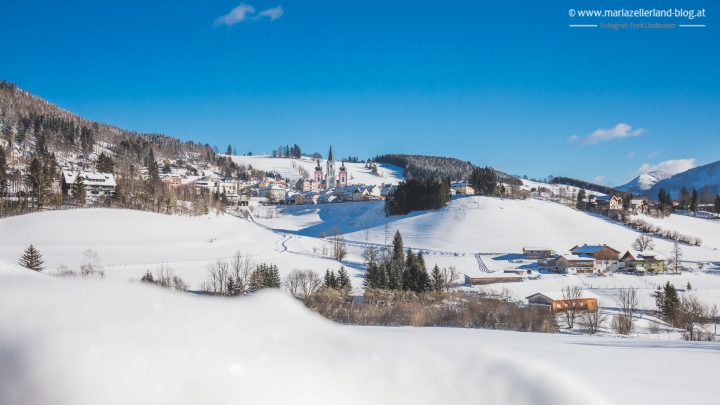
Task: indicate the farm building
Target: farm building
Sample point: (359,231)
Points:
(606,258)
(556,302)
(643,261)
(575,264)
(537,252)
(493,278)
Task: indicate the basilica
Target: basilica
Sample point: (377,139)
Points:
(331,178)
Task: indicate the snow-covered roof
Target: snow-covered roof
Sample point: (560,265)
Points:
(90,178)
(588,249)
(572,257)
(645,255)
(558,295)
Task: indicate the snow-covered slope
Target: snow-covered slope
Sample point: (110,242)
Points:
(644,182)
(127,236)
(288,168)
(129,243)
(703,178)
(483,224)
(78,342)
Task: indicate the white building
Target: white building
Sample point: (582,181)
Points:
(96,184)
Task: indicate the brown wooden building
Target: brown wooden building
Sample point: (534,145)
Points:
(557,303)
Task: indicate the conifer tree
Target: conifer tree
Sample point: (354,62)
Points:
(148,277)
(105,164)
(330,279)
(32,259)
(3,171)
(77,189)
(717,204)
(437,279)
(668,302)
(343,280)
(580,204)
(396,266)
(694,201)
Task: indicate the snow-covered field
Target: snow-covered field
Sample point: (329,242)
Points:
(76,342)
(483,224)
(128,243)
(288,168)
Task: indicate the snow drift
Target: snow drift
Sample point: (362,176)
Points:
(87,342)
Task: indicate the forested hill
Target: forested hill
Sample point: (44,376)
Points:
(27,121)
(569,181)
(436,167)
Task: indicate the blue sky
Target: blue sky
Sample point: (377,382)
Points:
(506,84)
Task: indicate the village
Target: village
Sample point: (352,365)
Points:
(328,183)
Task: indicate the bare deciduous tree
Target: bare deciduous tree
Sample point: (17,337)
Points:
(309,282)
(674,263)
(338,245)
(692,313)
(592,321)
(450,277)
(572,297)
(643,243)
(241,268)
(218,274)
(627,303)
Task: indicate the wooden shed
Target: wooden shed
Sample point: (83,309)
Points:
(557,303)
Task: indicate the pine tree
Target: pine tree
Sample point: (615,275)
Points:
(396,267)
(148,277)
(684,198)
(77,189)
(105,164)
(694,201)
(229,150)
(580,204)
(437,279)
(231,287)
(668,302)
(717,204)
(272,277)
(3,172)
(343,280)
(330,279)
(32,259)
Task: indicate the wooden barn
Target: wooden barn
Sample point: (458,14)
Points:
(557,303)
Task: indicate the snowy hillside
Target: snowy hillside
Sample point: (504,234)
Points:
(289,168)
(644,182)
(482,224)
(137,344)
(129,243)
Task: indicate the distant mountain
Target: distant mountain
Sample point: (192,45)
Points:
(705,179)
(644,182)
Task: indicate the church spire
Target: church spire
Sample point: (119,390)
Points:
(330,156)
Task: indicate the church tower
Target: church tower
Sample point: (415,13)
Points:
(330,179)
(318,177)
(342,176)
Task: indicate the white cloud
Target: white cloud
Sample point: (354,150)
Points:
(272,13)
(236,15)
(669,166)
(620,130)
(599,179)
(246,12)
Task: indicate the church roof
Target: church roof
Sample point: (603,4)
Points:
(330,155)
